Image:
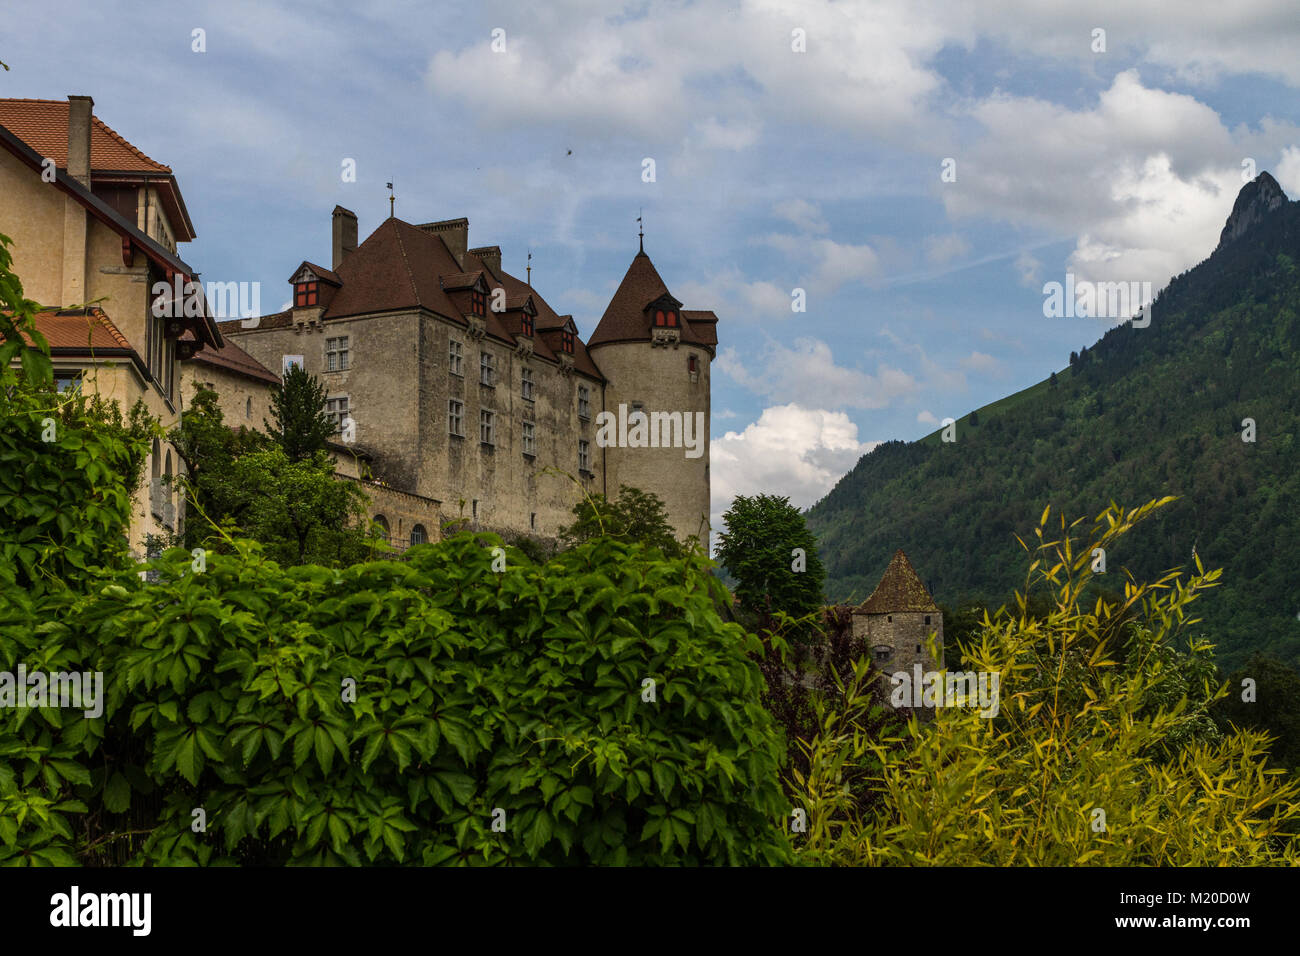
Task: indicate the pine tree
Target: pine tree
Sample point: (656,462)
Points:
(300,425)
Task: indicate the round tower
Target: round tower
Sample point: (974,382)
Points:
(652,432)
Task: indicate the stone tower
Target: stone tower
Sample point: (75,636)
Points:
(653,432)
(897,620)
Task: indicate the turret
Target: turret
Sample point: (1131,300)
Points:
(653,429)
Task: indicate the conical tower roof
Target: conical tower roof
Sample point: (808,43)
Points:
(625,319)
(900,589)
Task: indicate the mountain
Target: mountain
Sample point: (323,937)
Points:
(1143,413)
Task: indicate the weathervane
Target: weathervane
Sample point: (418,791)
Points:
(392,200)
(530,268)
(640,229)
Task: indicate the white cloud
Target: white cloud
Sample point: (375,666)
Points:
(827,264)
(926,417)
(734,136)
(791,450)
(803,215)
(940,250)
(746,300)
(1287,173)
(807,375)
(984,363)
(1029,270)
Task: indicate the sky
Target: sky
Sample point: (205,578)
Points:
(918,169)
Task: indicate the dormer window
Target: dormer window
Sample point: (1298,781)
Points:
(305,294)
(666,318)
(527,325)
(478,302)
(566,341)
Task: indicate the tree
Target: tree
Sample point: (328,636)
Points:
(770,552)
(1053,381)
(300,425)
(635,515)
(974,419)
(248,485)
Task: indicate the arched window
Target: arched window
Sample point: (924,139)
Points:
(248,408)
(418,536)
(382,524)
(155,480)
(666,319)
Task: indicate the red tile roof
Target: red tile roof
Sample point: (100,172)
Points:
(234,359)
(43,125)
(88,329)
(900,589)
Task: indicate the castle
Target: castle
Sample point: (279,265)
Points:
(460,393)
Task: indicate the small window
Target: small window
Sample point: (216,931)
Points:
(485,427)
(584,402)
(382,524)
(692,365)
(927,619)
(532,521)
(474,509)
(884,653)
(336,354)
(478,302)
(487,373)
(566,341)
(418,535)
(304,294)
(918,648)
(666,318)
(584,456)
(68,381)
(248,408)
(454,355)
(336,409)
(527,325)
(526,384)
(455,418)
(530,439)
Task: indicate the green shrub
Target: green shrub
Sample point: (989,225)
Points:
(475,690)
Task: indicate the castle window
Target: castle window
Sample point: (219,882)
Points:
(566,341)
(456,418)
(918,648)
(248,408)
(530,439)
(454,355)
(584,402)
(666,318)
(336,354)
(526,384)
(927,619)
(336,410)
(527,325)
(478,302)
(304,294)
(884,653)
(485,427)
(382,524)
(532,521)
(487,369)
(692,365)
(474,509)
(584,456)
(418,535)
(890,619)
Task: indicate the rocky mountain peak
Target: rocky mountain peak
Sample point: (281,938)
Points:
(1257,199)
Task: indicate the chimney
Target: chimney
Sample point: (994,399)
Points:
(491,256)
(80,109)
(345,235)
(454,232)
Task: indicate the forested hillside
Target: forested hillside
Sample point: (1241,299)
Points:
(1144,413)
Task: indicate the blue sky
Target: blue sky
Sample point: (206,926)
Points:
(775,169)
